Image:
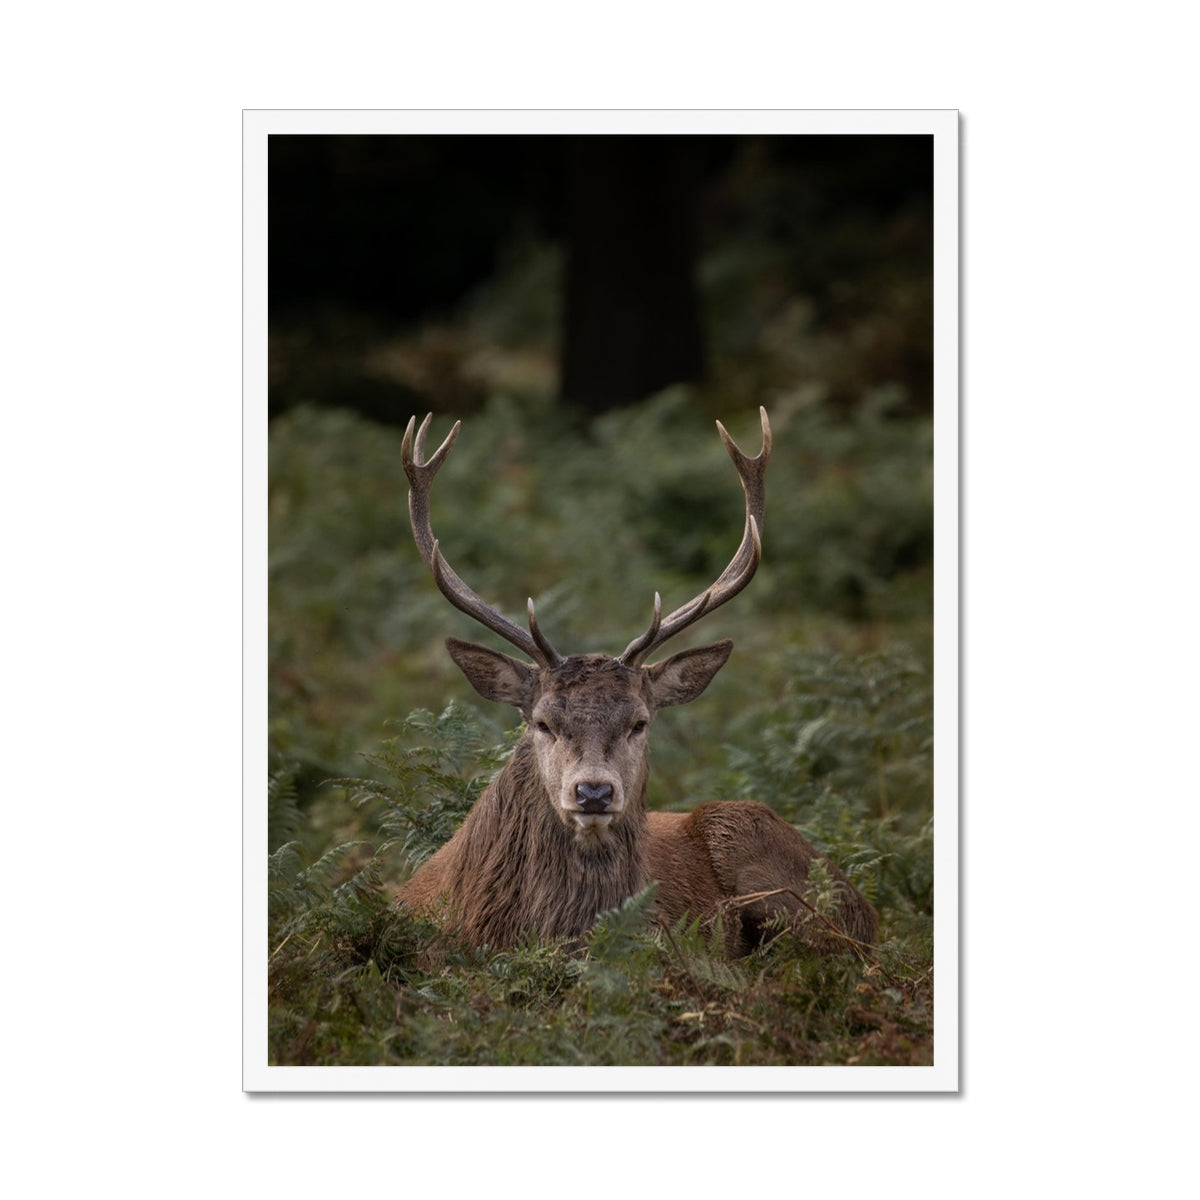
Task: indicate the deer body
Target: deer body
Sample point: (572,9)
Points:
(562,833)
(701,861)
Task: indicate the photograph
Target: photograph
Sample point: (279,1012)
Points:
(601,599)
(593,545)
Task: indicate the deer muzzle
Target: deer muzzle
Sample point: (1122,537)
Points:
(593,798)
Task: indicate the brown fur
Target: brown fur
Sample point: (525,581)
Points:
(519,866)
(707,859)
(513,868)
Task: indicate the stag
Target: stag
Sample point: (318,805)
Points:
(562,833)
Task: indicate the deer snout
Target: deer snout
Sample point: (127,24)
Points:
(593,797)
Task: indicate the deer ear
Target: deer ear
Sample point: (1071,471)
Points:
(683,677)
(494,676)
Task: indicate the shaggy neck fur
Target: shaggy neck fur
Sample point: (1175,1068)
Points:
(518,869)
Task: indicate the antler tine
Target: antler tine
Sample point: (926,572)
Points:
(638,645)
(741,568)
(420,472)
(552,655)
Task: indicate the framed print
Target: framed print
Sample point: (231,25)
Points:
(601,601)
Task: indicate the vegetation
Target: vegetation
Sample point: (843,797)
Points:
(824,712)
(817,303)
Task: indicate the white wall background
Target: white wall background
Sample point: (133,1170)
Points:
(122,518)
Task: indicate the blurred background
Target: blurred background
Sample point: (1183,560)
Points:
(587,306)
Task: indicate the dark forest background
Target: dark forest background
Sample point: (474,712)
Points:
(431,271)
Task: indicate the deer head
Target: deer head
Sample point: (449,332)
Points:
(588,715)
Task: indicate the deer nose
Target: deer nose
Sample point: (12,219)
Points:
(593,797)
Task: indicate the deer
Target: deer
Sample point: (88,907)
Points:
(562,833)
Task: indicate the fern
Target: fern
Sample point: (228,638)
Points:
(847,757)
(428,789)
(622,930)
(284,818)
(356,980)
(700,956)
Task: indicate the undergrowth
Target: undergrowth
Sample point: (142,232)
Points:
(356,626)
(824,712)
(355,980)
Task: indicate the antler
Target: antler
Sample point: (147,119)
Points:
(741,568)
(420,472)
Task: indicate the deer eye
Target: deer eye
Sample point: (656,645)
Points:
(636,728)
(542,727)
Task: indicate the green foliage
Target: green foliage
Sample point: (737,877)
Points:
(590,523)
(824,712)
(284,818)
(354,980)
(429,788)
(847,756)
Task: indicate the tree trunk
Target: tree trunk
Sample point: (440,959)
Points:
(631,321)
